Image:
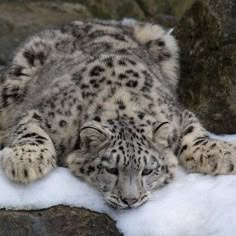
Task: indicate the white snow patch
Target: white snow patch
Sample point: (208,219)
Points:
(192,205)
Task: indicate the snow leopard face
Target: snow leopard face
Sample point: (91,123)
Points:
(122,162)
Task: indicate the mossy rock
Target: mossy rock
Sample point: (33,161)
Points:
(56,221)
(207,39)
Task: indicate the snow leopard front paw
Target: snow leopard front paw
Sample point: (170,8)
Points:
(25,165)
(209,156)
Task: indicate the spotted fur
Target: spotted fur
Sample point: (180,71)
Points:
(100,98)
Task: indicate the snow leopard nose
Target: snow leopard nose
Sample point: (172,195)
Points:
(129,201)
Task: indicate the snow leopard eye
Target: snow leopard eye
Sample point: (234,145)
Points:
(113,171)
(147,172)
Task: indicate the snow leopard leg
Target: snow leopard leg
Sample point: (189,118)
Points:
(203,154)
(23,68)
(30,153)
(16,78)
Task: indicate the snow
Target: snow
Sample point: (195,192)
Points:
(192,205)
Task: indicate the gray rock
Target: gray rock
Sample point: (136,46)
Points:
(56,221)
(169,7)
(207,38)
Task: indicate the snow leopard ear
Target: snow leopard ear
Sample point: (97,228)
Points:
(93,136)
(161,132)
(159,42)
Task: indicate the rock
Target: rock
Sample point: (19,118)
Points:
(59,220)
(207,39)
(151,8)
(115,9)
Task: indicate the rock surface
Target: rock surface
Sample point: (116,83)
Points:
(56,221)
(207,38)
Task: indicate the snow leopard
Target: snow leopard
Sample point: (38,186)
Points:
(100,98)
